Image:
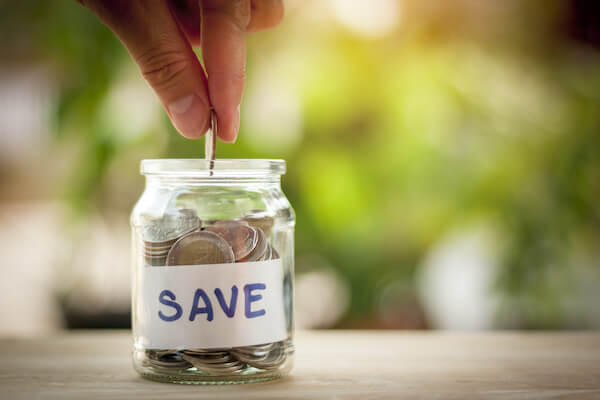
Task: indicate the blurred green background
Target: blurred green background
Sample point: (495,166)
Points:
(443,161)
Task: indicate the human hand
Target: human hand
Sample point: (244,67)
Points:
(160,34)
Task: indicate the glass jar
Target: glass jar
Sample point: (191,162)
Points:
(213,272)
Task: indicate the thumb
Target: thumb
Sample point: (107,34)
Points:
(164,57)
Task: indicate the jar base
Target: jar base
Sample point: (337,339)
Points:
(195,378)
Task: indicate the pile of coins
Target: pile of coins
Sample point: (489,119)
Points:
(220,361)
(160,234)
(181,238)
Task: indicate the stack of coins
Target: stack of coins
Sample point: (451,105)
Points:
(264,356)
(160,234)
(167,359)
(220,243)
(155,253)
(179,238)
(214,362)
(220,362)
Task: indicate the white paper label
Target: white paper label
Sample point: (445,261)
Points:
(212,306)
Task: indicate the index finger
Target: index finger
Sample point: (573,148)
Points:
(223,41)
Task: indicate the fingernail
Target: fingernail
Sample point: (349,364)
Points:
(189,115)
(231,134)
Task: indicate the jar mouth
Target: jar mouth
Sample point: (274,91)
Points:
(222,167)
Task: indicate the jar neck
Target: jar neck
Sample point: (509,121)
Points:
(167,181)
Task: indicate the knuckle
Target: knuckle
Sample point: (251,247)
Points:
(229,76)
(266,14)
(162,68)
(238,12)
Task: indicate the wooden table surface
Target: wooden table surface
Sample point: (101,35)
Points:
(329,364)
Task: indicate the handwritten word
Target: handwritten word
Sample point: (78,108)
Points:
(202,303)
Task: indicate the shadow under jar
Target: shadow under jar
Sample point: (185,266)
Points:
(213,272)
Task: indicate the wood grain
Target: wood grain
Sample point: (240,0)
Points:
(329,364)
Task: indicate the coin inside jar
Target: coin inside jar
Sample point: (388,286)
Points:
(242,238)
(199,248)
(259,250)
(170,226)
(263,222)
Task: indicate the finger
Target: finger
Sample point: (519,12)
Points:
(223,40)
(266,14)
(164,56)
(187,13)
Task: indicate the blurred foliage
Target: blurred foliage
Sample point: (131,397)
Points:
(460,112)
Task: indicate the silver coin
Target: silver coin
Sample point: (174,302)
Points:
(166,359)
(155,255)
(160,245)
(207,354)
(259,250)
(156,259)
(256,349)
(150,252)
(268,356)
(210,144)
(162,353)
(175,365)
(273,361)
(221,363)
(165,230)
(166,247)
(173,232)
(199,248)
(156,262)
(212,360)
(241,238)
(160,250)
(151,258)
(249,358)
(263,222)
(236,368)
(204,352)
(230,366)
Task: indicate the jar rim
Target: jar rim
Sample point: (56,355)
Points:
(199,167)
